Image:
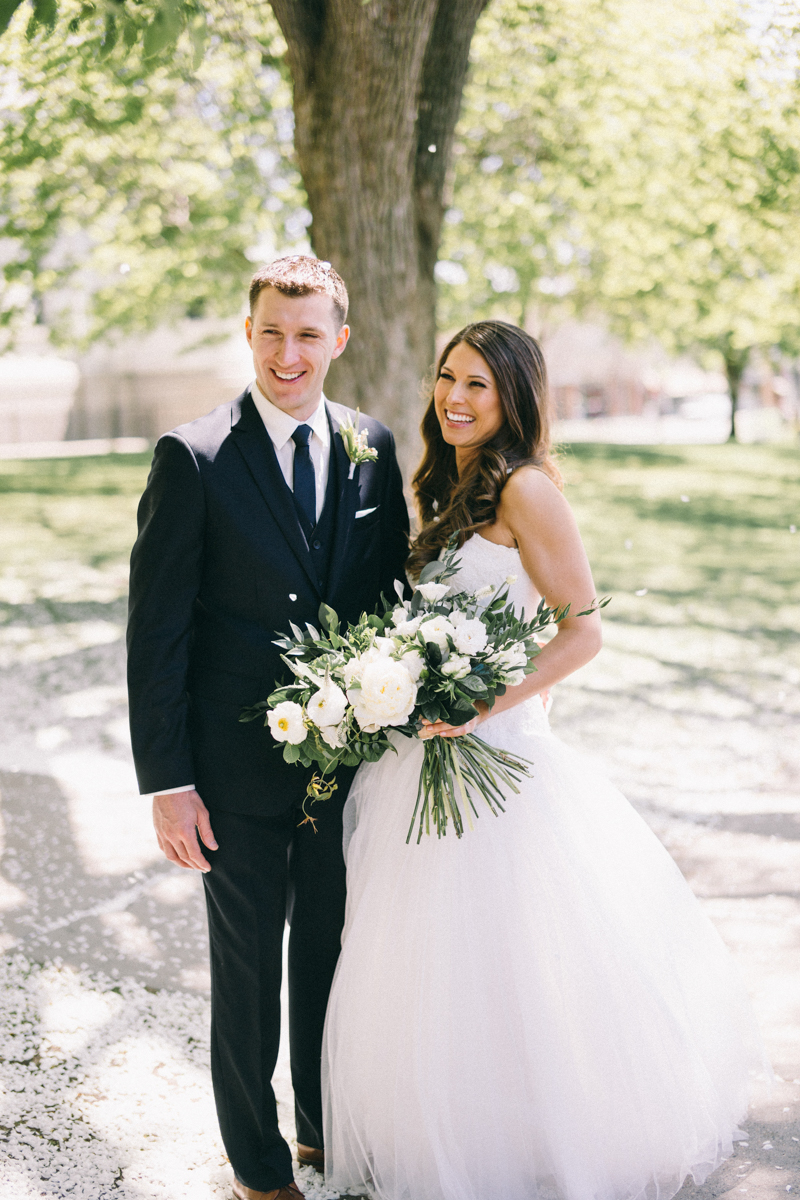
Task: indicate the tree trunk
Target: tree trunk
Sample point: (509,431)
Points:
(735,363)
(377,92)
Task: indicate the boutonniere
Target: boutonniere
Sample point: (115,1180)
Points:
(356,444)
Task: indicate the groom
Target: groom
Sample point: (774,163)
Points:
(252,516)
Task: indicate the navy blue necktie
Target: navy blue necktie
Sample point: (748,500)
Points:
(305,491)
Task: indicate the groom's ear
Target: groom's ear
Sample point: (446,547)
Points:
(248,330)
(342,338)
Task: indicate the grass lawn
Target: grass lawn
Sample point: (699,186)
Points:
(693,543)
(693,705)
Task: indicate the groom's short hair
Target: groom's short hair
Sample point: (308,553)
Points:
(301,275)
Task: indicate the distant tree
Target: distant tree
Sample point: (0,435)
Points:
(636,161)
(377,90)
(145,187)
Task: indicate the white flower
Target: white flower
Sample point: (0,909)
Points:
(512,678)
(408,628)
(511,579)
(386,697)
(286,723)
(399,615)
(413,660)
(382,647)
(327,706)
(333,735)
(470,637)
(456,666)
(483,592)
(513,656)
(457,617)
(437,629)
(433,591)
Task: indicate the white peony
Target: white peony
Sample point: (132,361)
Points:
(382,647)
(413,660)
(437,629)
(470,637)
(456,666)
(386,697)
(286,723)
(327,706)
(433,591)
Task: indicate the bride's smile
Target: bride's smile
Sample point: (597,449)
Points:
(467,403)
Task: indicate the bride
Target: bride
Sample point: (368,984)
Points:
(540,1008)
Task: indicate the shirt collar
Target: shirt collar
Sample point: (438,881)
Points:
(280,426)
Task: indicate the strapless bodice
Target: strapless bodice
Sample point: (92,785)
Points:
(481,563)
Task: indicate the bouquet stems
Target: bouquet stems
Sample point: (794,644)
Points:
(452,770)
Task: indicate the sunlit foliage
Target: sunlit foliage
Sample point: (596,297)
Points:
(136,189)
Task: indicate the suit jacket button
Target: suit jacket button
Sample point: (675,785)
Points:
(317,545)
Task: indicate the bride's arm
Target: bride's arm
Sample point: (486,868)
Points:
(535,514)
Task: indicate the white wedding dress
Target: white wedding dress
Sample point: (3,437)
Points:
(538,1009)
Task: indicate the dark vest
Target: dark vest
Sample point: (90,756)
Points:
(320,540)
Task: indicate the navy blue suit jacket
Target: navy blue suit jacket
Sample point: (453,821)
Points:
(220,565)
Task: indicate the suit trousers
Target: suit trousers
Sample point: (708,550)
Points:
(268,870)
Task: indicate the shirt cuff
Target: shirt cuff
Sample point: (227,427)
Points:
(186,787)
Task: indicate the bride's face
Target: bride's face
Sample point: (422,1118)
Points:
(466,399)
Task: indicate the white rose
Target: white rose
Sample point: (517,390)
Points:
(470,637)
(327,706)
(414,661)
(456,666)
(433,591)
(386,697)
(286,723)
(437,629)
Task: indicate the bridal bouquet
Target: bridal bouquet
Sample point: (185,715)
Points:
(430,657)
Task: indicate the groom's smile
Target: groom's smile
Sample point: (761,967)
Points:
(294,339)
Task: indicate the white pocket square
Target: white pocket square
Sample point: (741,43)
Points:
(364,512)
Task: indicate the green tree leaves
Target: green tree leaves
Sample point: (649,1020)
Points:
(136,189)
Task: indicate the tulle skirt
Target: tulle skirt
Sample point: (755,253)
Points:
(538,1009)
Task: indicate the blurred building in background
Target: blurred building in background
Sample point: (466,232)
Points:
(138,387)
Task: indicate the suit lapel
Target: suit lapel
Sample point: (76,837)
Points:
(347,501)
(257,450)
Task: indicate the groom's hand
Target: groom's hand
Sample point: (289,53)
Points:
(178,818)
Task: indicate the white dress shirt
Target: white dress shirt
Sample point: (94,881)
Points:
(280,427)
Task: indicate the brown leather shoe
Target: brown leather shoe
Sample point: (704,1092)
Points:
(290,1192)
(307,1156)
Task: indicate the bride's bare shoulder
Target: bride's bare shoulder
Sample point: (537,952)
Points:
(530,489)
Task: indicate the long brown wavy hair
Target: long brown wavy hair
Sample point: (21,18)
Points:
(446,503)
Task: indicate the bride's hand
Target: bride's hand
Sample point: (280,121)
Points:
(442,729)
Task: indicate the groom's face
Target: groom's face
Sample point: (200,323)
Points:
(294,339)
